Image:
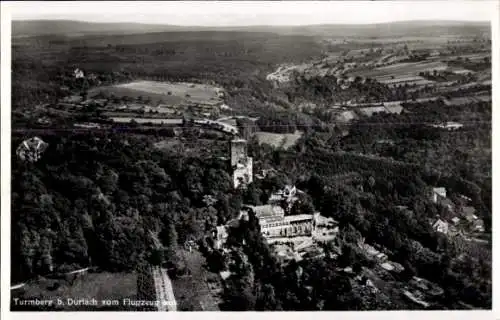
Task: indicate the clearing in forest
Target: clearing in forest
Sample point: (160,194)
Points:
(179,93)
(279,140)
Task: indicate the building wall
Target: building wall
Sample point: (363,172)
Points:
(245,173)
(286,229)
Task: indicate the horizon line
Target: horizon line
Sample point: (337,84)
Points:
(259,25)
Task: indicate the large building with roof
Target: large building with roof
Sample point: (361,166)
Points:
(274,223)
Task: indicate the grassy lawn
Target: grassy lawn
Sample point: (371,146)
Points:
(168,93)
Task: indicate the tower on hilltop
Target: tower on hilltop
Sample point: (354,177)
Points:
(241,164)
(238,151)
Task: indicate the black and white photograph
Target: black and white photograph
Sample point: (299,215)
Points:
(247,156)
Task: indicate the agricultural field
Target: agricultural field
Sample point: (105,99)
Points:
(404,68)
(408,72)
(180,93)
(279,140)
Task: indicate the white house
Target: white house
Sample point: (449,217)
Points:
(440,226)
(438,194)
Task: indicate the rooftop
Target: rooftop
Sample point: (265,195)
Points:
(439,190)
(299,217)
(387,266)
(267,210)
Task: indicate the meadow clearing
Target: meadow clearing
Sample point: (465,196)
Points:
(279,140)
(181,93)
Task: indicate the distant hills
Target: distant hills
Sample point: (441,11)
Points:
(70,28)
(27,28)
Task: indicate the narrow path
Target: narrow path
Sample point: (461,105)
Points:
(162,282)
(17,286)
(163,288)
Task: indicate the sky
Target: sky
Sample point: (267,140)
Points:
(245,13)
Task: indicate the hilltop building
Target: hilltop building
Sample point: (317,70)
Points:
(221,235)
(31,150)
(438,196)
(440,226)
(241,164)
(274,223)
(78,73)
(438,193)
(276,226)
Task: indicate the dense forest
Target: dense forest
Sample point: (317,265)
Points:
(92,200)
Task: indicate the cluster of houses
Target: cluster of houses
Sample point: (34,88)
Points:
(378,256)
(205,109)
(278,227)
(293,237)
(463,218)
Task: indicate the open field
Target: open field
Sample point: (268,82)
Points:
(98,286)
(167,93)
(279,140)
(408,72)
(404,68)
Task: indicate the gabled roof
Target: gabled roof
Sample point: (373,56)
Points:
(439,190)
(267,210)
(439,222)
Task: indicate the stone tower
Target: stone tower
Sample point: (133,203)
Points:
(241,164)
(238,151)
